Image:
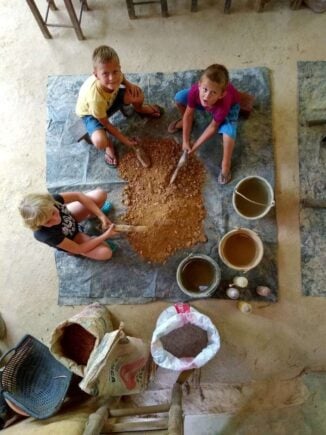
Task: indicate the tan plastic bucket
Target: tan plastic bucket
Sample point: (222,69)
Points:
(241,249)
(198,275)
(253,197)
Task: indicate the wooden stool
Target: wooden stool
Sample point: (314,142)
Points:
(99,421)
(131,7)
(75,21)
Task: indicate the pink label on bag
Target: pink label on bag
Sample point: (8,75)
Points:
(180,307)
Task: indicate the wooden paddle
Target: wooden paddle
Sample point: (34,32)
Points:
(121,228)
(182,161)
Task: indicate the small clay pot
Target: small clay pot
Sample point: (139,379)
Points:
(244,307)
(240,281)
(233,293)
(263,290)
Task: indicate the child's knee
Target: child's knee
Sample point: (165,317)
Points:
(100,140)
(100,196)
(181,97)
(103,252)
(130,99)
(107,254)
(228,140)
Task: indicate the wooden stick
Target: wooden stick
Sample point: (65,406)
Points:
(136,426)
(141,410)
(313,203)
(130,228)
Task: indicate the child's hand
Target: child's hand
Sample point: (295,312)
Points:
(132,142)
(134,91)
(110,231)
(186,147)
(105,222)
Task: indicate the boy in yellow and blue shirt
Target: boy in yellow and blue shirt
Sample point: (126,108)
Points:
(102,94)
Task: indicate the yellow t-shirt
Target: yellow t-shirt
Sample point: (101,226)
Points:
(93,100)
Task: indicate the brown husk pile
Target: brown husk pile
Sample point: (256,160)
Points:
(173,213)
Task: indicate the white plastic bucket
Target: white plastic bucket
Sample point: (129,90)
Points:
(198,275)
(241,249)
(253,197)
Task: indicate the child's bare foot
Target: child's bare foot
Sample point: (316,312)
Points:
(175,126)
(150,111)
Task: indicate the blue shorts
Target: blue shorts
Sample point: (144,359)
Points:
(92,124)
(230,123)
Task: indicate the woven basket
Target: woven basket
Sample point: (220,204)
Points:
(34,380)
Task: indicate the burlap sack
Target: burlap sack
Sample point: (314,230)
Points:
(120,366)
(74,341)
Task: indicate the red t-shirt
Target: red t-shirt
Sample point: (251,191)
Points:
(222,106)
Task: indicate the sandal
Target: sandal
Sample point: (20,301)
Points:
(110,161)
(224,179)
(173,126)
(156,111)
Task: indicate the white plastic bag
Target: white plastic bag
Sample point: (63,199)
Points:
(173,318)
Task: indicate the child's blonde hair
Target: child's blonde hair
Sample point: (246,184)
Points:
(217,73)
(104,54)
(36,209)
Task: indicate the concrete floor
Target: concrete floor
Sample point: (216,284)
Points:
(276,341)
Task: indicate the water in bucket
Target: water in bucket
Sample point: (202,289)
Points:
(253,197)
(197,275)
(240,250)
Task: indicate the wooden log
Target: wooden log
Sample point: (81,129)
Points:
(136,426)
(175,415)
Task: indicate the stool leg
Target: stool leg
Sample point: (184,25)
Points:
(85,137)
(131,9)
(227,6)
(39,19)
(164,8)
(52,5)
(194,6)
(74,19)
(85,5)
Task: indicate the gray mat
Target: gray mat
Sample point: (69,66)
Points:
(312,152)
(77,165)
